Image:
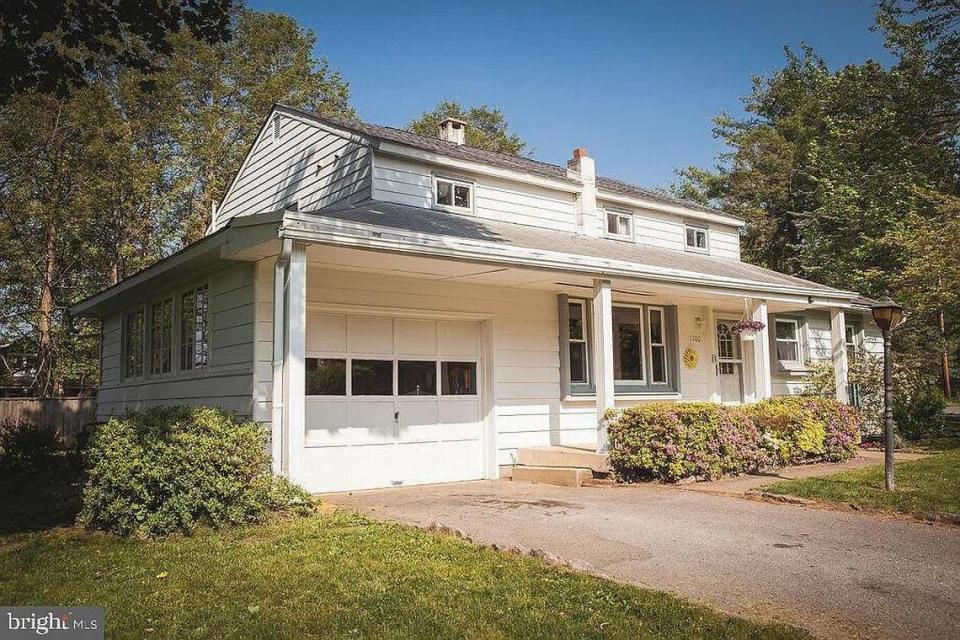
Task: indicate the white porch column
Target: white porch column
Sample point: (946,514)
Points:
(294,384)
(761,352)
(278,459)
(602,355)
(838,340)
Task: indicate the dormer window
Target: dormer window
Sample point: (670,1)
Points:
(696,239)
(455,195)
(619,225)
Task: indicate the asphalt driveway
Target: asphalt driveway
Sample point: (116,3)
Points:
(837,574)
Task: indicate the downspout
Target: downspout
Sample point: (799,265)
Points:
(280,463)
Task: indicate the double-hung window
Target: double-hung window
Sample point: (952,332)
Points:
(696,239)
(658,346)
(133,328)
(579,364)
(194,341)
(852,341)
(787,336)
(619,225)
(161,336)
(628,350)
(455,195)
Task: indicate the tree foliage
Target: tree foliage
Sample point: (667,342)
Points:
(488,128)
(53,46)
(100,181)
(849,177)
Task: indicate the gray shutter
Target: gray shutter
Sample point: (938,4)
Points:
(673,347)
(563,316)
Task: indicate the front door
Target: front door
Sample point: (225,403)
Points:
(729,363)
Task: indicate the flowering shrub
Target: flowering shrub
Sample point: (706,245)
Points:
(667,441)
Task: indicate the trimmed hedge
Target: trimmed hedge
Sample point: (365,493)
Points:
(670,442)
(170,469)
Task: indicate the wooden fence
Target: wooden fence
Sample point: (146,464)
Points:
(69,416)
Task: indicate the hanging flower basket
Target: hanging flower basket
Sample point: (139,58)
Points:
(746,327)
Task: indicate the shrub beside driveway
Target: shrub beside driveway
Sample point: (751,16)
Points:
(703,440)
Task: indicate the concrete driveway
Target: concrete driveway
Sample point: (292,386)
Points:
(840,575)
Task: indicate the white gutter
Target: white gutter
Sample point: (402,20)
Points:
(279,462)
(312,228)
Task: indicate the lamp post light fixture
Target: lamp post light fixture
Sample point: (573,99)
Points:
(887,314)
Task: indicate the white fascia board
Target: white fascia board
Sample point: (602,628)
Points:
(311,228)
(635,201)
(403,151)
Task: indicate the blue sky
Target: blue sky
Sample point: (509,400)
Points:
(635,82)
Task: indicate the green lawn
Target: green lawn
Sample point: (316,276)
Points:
(338,575)
(928,488)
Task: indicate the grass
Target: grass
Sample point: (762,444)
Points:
(339,576)
(927,489)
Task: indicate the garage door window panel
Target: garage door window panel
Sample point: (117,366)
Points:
(417,377)
(371,377)
(459,378)
(326,376)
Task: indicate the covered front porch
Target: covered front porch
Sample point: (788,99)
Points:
(379,367)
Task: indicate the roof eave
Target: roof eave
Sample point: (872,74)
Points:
(313,227)
(238,234)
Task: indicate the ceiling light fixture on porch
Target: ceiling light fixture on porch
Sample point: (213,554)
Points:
(888,315)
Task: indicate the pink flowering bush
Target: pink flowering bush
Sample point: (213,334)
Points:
(670,442)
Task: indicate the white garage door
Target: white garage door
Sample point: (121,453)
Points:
(391,401)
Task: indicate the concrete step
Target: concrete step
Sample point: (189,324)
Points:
(562,476)
(563,456)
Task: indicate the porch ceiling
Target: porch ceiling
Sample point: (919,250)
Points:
(439,269)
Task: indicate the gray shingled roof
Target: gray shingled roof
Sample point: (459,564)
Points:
(502,160)
(430,221)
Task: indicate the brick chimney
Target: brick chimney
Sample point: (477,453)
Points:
(581,167)
(454,130)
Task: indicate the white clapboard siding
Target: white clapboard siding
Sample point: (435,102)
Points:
(225,383)
(816,344)
(308,166)
(411,183)
(666,230)
(526,366)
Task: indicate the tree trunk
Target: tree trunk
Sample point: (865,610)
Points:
(44,382)
(945,358)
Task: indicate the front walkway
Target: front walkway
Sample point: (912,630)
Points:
(742,485)
(837,574)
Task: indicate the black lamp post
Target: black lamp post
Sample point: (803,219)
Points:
(887,314)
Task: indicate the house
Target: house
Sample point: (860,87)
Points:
(405,310)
